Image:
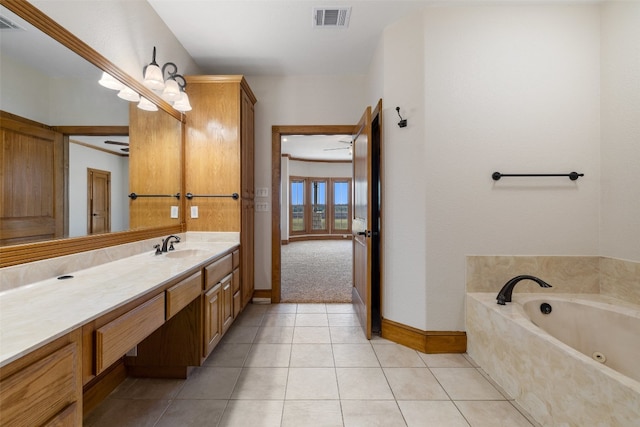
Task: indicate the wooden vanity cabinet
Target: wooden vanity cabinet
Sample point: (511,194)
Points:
(212,319)
(45,386)
(219,160)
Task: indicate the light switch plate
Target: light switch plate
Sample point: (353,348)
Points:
(262,192)
(262,207)
(194,212)
(174,212)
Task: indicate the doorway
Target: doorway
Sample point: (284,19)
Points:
(98,201)
(278,132)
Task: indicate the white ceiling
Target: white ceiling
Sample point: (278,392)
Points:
(317,147)
(272,37)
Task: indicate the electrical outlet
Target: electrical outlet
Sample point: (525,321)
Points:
(174,212)
(194,212)
(262,192)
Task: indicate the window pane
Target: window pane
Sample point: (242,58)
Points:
(341,205)
(319,205)
(297,206)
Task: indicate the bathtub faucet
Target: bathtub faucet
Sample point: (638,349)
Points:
(505,293)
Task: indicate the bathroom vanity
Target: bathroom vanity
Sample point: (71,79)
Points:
(67,342)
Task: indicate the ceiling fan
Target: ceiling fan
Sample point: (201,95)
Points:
(342,148)
(125,144)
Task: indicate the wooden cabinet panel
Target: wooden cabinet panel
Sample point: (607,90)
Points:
(155,167)
(115,338)
(237,304)
(66,418)
(212,319)
(236,258)
(180,295)
(247,252)
(215,271)
(42,390)
(227,302)
(32,181)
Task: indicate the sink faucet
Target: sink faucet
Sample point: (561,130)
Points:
(505,293)
(167,241)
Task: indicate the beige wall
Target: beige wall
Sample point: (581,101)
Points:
(620,147)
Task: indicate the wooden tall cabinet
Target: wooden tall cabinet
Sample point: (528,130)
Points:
(219,161)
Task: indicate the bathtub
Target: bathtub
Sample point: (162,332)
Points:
(576,366)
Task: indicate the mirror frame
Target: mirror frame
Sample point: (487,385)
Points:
(30,252)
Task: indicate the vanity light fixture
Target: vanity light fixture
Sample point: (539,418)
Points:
(109,82)
(147,105)
(171,90)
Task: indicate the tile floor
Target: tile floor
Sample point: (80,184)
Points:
(308,365)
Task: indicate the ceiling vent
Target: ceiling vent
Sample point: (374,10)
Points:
(7,25)
(331,17)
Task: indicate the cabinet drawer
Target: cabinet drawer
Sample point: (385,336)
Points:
(40,391)
(181,295)
(236,281)
(115,338)
(217,270)
(236,258)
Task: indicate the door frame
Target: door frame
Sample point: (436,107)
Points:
(277,132)
(90,198)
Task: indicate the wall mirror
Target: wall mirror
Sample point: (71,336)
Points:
(49,77)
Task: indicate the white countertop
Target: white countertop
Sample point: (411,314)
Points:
(36,314)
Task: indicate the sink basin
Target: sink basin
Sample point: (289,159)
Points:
(183,253)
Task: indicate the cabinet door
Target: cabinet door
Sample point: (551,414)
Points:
(227,302)
(247,252)
(212,319)
(247,147)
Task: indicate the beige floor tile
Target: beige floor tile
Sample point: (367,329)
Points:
(312,308)
(492,414)
(445,360)
(149,388)
(192,413)
(343,319)
(311,356)
(244,413)
(376,339)
(371,413)
(347,335)
(414,384)
(354,356)
(228,355)
(268,356)
(312,383)
(397,356)
(340,308)
(312,413)
(363,384)
(279,319)
(125,413)
(250,317)
(274,335)
(261,383)
(311,335)
(240,334)
(281,308)
(431,413)
(466,384)
(210,383)
(312,319)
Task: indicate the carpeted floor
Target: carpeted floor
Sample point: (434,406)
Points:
(316,271)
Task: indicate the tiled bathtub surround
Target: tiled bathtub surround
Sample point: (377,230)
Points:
(24,274)
(557,385)
(620,279)
(567,274)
